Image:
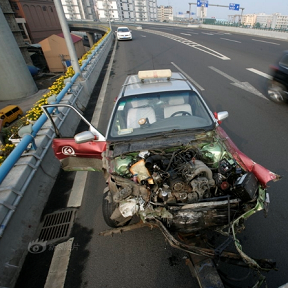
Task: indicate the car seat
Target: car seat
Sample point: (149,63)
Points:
(176,104)
(140,109)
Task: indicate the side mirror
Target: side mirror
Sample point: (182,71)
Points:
(83,137)
(221,116)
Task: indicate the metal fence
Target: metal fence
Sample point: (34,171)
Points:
(21,165)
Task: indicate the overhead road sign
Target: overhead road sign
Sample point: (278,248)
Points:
(201,3)
(233,6)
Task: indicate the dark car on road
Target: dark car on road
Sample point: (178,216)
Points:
(278,85)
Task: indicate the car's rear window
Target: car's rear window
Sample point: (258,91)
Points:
(154,113)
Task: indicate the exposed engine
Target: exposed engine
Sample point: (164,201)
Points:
(173,185)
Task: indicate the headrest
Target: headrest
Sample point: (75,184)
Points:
(176,101)
(139,103)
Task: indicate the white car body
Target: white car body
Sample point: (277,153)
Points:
(124,33)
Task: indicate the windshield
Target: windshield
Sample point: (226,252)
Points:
(123,30)
(151,114)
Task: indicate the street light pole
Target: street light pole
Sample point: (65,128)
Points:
(67,36)
(108,14)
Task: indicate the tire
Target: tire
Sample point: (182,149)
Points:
(276,92)
(108,209)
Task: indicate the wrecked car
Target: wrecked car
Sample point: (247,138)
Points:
(167,161)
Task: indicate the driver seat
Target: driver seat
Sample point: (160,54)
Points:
(140,109)
(176,104)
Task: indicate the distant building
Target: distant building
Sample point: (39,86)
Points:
(107,10)
(201,12)
(279,21)
(164,13)
(41,19)
(113,10)
(75,9)
(274,21)
(56,52)
(265,21)
(248,20)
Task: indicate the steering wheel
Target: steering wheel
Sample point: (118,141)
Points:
(184,113)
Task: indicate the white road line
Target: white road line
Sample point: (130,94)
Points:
(143,36)
(230,40)
(163,28)
(189,43)
(188,77)
(224,74)
(185,34)
(60,260)
(243,85)
(208,33)
(59,265)
(76,195)
(259,73)
(266,42)
(222,33)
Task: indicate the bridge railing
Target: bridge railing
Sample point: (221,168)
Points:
(21,165)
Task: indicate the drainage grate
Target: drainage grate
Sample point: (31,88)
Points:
(57,226)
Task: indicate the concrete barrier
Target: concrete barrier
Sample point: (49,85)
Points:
(25,190)
(248,31)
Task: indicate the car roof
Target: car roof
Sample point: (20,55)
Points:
(134,85)
(8,108)
(123,27)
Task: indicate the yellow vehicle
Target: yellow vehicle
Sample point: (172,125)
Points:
(9,114)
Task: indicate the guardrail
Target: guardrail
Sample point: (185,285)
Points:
(27,176)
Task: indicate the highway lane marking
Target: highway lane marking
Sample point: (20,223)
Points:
(143,36)
(76,195)
(163,28)
(266,42)
(188,43)
(243,85)
(188,77)
(185,34)
(259,73)
(231,40)
(60,260)
(59,265)
(208,33)
(222,33)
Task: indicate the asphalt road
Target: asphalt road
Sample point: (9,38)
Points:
(217,64)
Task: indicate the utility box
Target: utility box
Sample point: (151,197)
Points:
(56,52)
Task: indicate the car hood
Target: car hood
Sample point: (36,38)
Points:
(213,145)
(124,33)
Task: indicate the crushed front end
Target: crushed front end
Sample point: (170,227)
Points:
(188,190)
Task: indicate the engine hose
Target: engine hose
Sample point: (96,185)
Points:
(149,162)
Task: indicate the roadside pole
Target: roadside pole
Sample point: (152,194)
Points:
(67,36)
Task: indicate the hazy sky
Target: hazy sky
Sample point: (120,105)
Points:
(251,6)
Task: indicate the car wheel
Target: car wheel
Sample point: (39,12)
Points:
(6,124)
(276,92)
(19,116)
(108,207)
